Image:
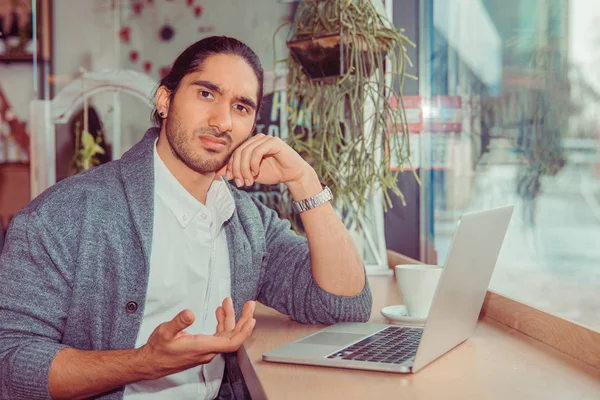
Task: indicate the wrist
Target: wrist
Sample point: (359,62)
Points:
(144,365)
(306,186)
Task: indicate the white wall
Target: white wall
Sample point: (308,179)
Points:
(16,80)
(253,22)
(82,37)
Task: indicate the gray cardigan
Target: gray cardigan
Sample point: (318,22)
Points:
(74,272)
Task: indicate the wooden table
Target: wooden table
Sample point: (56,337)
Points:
(496,363)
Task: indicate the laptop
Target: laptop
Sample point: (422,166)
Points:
(451,320)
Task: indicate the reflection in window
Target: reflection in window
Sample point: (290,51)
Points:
(525,73)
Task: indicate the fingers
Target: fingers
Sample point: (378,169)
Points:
(235,163)
(220,320)
(243,330)
(226,315)
(248,310)
(242,333)
(251,157)
(227,343)
(249,327)
(224,324)
(247,315)
(169,330)
(229,320)
(244,164)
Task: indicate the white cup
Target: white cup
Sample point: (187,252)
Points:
(417,284)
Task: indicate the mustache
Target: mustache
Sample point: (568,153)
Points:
(212,132)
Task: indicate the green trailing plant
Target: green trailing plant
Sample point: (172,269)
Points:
(87,149)
(346,125)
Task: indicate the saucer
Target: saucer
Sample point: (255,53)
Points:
(399,315)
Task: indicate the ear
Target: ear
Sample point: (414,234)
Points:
(163,100)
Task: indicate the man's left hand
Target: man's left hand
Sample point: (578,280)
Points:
(266,160)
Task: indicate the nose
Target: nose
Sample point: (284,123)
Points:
(220,118)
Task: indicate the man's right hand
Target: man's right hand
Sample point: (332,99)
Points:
(79,374)
(170,349)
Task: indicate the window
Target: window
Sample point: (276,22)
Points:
(513,119)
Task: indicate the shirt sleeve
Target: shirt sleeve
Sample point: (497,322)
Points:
(34,293)
(287,283)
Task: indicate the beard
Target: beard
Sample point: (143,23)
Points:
(182,147)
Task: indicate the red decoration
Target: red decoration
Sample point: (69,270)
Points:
(198,11)
(137,8)
(124,34)
(164,71)
(190,2)
(147,66)
(133,55)
(17,128)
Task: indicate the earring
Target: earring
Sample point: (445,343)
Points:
(162,114)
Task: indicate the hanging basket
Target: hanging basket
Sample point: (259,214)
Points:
(329,56)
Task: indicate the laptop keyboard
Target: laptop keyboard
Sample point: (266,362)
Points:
(393,345)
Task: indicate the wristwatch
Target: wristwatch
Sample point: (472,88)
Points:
(313,201)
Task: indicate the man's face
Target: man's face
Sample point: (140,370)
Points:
(212,113)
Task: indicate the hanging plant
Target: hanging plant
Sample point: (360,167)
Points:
(87,149)
(90,147)
(345,64)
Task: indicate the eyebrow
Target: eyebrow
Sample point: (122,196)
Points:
(216,88)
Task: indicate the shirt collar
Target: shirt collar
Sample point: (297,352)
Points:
(219,201)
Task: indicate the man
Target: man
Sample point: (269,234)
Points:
(109,278)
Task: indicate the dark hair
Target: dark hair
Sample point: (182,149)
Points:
(193,57)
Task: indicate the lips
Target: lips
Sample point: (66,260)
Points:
(213,143)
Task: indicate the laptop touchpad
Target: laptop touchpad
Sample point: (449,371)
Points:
(331,338)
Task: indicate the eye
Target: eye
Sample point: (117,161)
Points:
(205,94)
(242,108)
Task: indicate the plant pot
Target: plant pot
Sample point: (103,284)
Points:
(327,56)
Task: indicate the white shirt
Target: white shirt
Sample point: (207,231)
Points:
(189,268)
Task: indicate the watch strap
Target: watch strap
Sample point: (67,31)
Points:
(313,202)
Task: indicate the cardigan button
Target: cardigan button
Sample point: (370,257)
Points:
(131,307)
